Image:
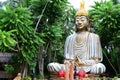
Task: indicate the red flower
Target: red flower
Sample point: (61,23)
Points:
(61,73)
(81,73)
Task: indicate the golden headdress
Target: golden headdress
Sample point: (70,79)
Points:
(82,11)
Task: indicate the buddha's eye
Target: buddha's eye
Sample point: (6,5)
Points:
(82,20)
(77,20)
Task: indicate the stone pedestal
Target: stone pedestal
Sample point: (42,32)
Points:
(54,76)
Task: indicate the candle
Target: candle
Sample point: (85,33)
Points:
(72,70)
(67,71)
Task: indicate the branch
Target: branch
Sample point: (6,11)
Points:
(40,17)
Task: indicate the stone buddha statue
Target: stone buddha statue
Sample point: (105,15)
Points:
(83,47)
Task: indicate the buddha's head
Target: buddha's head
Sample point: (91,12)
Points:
(81,18)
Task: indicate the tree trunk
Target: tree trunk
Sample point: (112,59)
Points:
(25,69)
(41,62)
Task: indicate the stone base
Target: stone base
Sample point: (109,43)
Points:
(54,76)
(3,74)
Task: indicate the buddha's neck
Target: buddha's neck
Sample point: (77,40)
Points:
(79,32)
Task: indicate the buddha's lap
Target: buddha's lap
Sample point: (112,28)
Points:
(96,68)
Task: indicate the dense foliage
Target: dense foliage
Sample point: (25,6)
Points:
(27,43)
(105,16)
(28,26)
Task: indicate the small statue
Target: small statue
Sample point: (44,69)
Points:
(82,47)
(18,77)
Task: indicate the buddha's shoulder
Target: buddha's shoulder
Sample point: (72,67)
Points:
(94,35)
(90,34)
(71,35)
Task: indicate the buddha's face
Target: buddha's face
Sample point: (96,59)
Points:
(81,22)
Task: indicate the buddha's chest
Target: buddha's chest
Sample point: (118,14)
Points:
(81,40)
(81,44)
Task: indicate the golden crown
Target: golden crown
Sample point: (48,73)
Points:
(82,11)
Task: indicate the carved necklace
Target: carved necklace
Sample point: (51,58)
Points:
(80,43)
(78,39)
(81,37)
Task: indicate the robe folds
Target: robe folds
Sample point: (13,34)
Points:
(87,50)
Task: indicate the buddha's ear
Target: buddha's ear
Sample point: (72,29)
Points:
(89,24)
(75,19)
(90,21)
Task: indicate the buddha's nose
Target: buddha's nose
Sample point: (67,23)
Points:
(79,22)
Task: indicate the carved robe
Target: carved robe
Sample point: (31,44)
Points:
(86,46)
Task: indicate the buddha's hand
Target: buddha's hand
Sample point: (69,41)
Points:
(78,61)
(68,61)
(96,59)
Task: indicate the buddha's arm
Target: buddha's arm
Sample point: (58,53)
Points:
(68,51)
(80,62)
(89,62)
(95,51)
